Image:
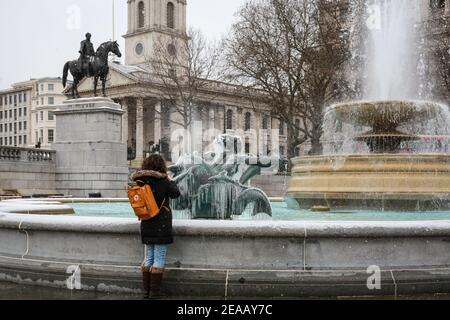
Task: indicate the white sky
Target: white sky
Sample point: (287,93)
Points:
(38,36)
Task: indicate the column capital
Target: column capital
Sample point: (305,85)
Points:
(140,100)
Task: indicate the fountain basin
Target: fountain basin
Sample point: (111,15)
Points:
(230,258)
(384,117)
(385,114)
(405,182)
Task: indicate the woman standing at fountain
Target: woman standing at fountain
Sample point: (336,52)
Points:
(156,233)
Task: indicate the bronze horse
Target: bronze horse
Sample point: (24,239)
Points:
(98,68)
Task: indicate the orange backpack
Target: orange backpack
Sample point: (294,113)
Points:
(143,202)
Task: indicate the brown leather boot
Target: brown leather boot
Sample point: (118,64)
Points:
(155,283)
(146,280)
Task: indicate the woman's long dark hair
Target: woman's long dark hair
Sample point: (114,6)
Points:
(155,163)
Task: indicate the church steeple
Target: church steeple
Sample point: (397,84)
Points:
(150,20)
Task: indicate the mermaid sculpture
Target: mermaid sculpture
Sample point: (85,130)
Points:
(216,186)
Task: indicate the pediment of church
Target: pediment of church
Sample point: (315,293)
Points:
(116,78)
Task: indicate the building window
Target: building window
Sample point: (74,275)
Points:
(24,140)
(229,120)
(24,125)
(247,146)
(37,117)
(20,112)
(15,141)
(1,101)
(1,127)
(166,118)
(42,115)
(171,15)
(1,141)
(15,127)
(51,116)
(141,14)
(10,127)
(42,101)
(265,123)
(10,100)
(6,114)
(25,97)
(281,128)
(20,98)
(36,136)
(51,87)
(20,140)
(24,112)
(42,88)
(15,114)
(51,100)
(20,126)
(282,151)
(41,138)
(248,121)
(51,136)
(15,99)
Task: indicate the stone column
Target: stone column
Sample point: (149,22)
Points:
(151,14)
(184,18)
(148,14)
(129,15)
(258,126)
(140,128)
(211,117)
(133,15)
(125,135)
(158,124)
(159,10)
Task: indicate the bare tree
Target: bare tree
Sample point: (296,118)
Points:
(437,57)
(293,52)
(185,68)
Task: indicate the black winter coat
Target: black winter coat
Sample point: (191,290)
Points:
(159,229)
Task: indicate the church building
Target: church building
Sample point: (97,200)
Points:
(150,119)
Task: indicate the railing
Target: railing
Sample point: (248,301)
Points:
(27,155)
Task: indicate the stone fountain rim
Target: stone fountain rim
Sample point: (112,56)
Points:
(374,156)
(383,102)
(270,229)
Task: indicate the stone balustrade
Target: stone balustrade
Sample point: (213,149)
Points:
(26,172)
(27,155)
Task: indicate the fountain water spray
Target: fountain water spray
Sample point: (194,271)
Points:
(391,66)
(394,149)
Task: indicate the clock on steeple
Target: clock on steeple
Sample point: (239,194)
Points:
(149,23)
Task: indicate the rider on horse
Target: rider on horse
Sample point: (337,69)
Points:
(87,53)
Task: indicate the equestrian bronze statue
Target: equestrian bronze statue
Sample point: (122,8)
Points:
(90,64)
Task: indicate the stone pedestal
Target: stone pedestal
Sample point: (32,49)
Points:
(91,157)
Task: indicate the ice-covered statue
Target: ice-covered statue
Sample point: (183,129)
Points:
(216,186)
